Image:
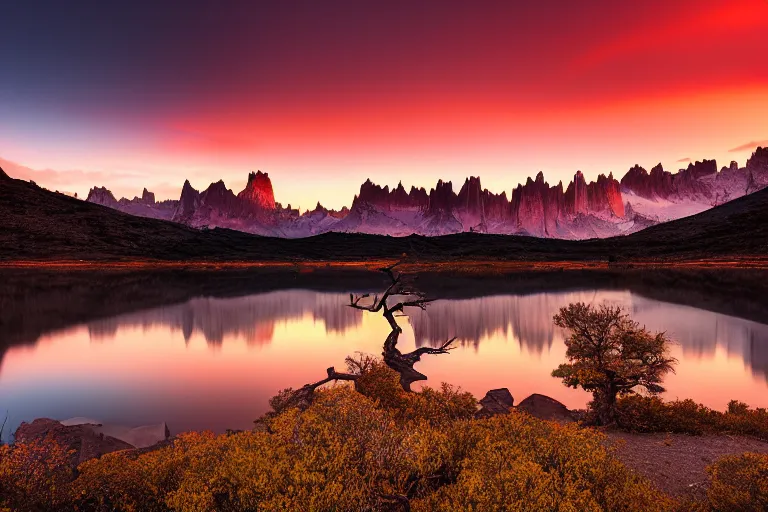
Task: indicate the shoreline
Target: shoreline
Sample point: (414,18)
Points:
(479,266)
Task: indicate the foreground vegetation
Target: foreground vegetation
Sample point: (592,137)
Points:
(650,414)
(377,448)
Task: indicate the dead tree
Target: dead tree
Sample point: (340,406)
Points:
(406,295)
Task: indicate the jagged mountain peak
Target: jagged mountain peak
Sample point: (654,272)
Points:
(102,196)
(759,159)
(258,191)
(147,197)
(702,168)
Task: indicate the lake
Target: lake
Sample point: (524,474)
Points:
(213,362)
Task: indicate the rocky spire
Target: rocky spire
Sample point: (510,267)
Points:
(703,168)
(258,191)
(147,197)
(759,159)
(188,203)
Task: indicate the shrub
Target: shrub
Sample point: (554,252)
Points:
(117,481)
(651,414)
(346,452)
(382,384)
(739,482)
(34,475)
(520,463)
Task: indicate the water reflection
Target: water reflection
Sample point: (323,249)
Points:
(251,318)
(526,319)
(212,363)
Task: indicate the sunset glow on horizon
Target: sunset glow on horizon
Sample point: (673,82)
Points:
(324,95)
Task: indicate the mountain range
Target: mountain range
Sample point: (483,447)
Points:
(602,208)
(38,224)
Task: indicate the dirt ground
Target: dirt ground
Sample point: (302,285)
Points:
(676,463)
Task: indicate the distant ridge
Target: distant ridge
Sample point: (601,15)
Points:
(39,224)
(579,210)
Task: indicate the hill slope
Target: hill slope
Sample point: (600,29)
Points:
(38,224)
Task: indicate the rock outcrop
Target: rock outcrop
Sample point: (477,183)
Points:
(188,203)
(442,198)
(219,198)
(495,402)
(546,408)
(258,191)
(102,196)
(81,440)
(697,187)
(657,184)
(500,401)
(138,437)
(535,206)
(144,206)
(148,197)
(470,198)
(759,160)
(698,170)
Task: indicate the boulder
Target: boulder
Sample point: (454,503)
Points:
(81,440)
(546,408)
(140,437)
(496,401)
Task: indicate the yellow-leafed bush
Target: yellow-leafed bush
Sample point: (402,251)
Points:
(346,453)
(650,414)
(520,463)
(34,476)
(739,483)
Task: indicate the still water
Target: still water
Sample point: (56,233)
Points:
(212,363)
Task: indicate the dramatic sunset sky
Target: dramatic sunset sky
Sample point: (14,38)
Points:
(324,94)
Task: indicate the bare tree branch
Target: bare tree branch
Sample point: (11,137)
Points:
(303,397)
(411,297)
(403,364)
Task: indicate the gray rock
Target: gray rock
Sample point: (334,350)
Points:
(81,440)
(546,408)
(496,401)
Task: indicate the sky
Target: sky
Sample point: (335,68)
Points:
(322,95)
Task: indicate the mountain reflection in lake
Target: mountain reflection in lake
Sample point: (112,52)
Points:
(213,363)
